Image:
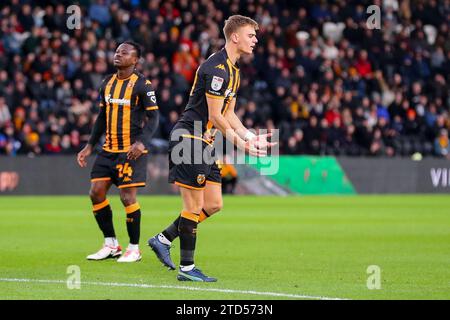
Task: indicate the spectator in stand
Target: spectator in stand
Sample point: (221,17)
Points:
(5,114)
(442,145)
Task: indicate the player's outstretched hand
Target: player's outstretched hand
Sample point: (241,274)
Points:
(136,150)
(261,141)
(259,145)
(83,154)
(253,151)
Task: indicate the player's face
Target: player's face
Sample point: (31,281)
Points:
(247,39)
(125,56)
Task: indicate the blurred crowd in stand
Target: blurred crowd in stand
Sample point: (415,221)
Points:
(330,84)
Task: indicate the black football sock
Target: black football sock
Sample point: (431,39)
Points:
(188,236)
(103,216)
(171,232)
(133,222)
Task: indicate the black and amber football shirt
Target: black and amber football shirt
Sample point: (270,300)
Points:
(216,78)
(124,104)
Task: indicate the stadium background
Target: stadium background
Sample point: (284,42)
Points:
(359,111)
(319,75)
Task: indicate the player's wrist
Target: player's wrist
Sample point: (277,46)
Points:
(139,140)
(140,145)
(249,135)
(241,144)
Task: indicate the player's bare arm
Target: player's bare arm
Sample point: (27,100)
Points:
(259,141)
(222,124)
(236,123)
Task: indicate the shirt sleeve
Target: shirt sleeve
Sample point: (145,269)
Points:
(100,123)
(99,127)
(101,97)
(216,81)
(147,96)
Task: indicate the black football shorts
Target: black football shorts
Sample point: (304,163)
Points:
(122,172)
(192,163)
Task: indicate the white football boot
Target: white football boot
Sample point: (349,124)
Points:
(105,253)
(130,256)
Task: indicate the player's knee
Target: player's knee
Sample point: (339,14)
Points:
(97,194)
(127,198)
(214,207)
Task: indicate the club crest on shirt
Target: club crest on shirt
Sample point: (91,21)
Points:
(201,179)
(216,83)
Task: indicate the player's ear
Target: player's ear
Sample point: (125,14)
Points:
(234,37)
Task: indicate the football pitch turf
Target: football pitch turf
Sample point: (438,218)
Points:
(258,248)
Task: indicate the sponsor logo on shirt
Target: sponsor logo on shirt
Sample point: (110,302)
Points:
(108,99)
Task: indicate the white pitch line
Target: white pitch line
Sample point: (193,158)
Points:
(152,286)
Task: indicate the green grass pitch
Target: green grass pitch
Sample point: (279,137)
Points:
(258,248)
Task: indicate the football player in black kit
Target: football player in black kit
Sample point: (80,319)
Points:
(211,108)
(126,100)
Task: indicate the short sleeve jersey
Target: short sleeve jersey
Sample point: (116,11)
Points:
(216,78)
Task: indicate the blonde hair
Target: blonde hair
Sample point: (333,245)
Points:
(233,23)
